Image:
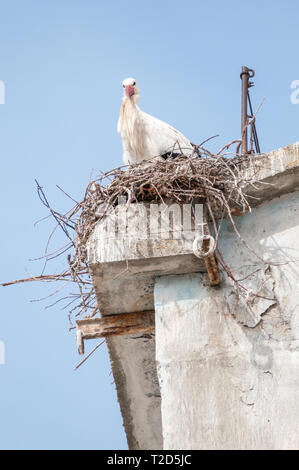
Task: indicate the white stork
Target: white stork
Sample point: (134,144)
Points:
(144,136)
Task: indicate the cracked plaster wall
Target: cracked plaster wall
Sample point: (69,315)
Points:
(229,368)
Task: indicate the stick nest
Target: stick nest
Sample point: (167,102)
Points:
(214,180)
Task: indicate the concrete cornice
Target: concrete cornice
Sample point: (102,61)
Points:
(278,169)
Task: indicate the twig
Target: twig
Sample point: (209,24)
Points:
(88,355)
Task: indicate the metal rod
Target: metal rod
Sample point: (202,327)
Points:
(256,140)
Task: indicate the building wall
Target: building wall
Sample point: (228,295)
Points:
(229,371)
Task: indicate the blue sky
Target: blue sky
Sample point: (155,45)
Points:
(62,63)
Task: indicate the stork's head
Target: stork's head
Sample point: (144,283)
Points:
(131,90)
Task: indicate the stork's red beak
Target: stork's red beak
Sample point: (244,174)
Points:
(129,91)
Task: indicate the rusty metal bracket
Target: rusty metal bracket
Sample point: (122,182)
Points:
(204,247)
(211,261)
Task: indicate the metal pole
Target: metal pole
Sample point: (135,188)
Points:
(246,84)
(244,114)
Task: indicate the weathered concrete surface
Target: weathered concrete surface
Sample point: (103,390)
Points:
(228,373)
(234,368)
(280,168)
(134,370)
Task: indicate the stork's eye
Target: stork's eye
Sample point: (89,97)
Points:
(123,86)
(134,83)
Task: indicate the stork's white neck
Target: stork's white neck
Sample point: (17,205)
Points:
(128,114)
(131,127)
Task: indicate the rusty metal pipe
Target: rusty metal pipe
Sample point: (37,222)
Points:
(246,74)
(244,114)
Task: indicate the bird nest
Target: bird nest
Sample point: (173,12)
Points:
(215,180)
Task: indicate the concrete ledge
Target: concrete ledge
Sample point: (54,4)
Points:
(280,169)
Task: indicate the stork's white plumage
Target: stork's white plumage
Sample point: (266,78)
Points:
(144,136)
